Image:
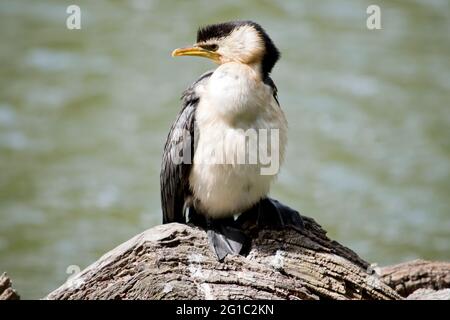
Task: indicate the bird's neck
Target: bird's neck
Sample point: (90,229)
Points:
(236,93)
(255,66)
(257,70)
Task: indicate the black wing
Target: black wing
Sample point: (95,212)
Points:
(268,80)
(178,155)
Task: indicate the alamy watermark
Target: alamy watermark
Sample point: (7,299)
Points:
(73,280)
(373,21)
(73,21)
(259,147)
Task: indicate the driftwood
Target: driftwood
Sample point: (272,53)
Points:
(174,261)
(6,290)
(419,279)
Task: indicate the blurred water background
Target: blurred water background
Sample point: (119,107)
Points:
(84,115)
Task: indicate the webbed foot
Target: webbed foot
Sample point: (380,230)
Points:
(225,238)
(271,214)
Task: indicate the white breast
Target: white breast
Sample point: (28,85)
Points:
(233,101)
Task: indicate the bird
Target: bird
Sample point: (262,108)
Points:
(206,176)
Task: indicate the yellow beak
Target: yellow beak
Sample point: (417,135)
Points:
(196,51)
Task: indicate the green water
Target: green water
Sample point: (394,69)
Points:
(84,115)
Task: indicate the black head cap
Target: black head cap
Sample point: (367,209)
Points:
(221,30)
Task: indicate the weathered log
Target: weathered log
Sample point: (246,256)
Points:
(419,279)
(429,294)
(6,290)
(174,261)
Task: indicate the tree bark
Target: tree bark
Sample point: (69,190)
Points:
(174,261)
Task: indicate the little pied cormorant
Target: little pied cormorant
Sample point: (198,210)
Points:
(237,96)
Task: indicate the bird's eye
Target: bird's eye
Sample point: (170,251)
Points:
(210,47)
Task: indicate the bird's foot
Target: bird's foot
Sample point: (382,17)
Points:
(271,214)
(224,237)
(227,236)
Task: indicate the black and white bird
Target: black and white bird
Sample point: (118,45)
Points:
(217,112)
